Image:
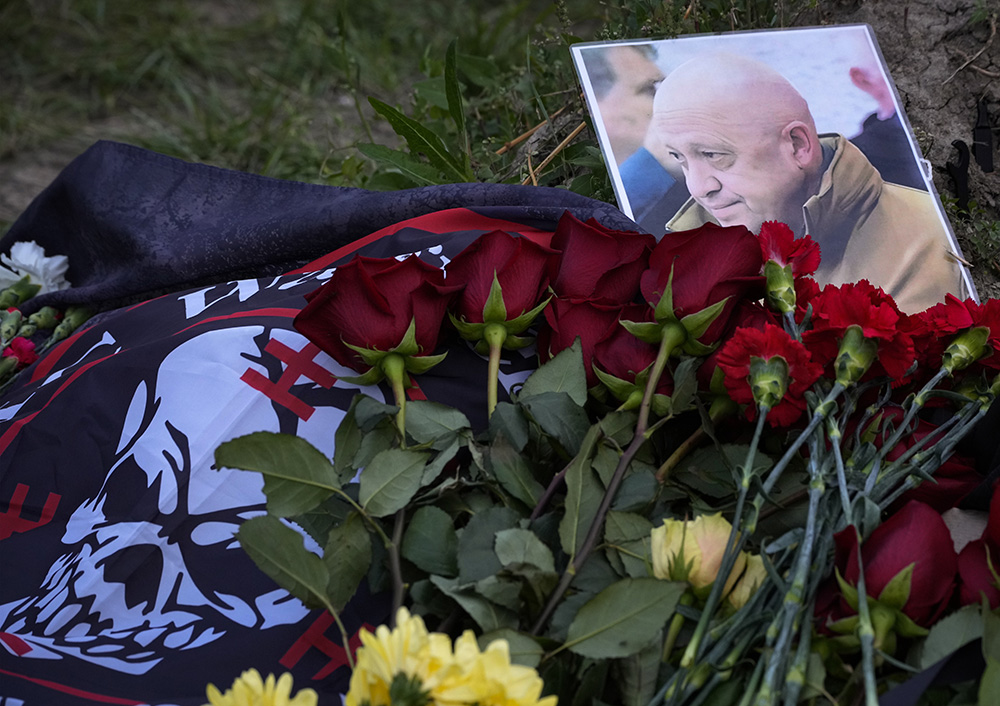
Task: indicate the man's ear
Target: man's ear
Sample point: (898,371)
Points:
(805,149)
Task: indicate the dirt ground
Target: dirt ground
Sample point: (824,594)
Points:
(942,60)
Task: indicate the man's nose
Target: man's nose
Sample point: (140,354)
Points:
(701,181)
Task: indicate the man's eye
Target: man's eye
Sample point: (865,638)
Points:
(677,156)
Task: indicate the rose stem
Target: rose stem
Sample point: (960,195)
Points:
(673,335)
(494,334)
(397,570)
(394,368)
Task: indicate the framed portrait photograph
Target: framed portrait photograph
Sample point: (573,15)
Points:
(802,126)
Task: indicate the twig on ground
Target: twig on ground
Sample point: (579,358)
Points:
(993,32)
(528,133)
(559,148)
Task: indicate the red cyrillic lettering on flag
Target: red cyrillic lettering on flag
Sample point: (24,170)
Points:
(11,520)
(315,638)
(297,363)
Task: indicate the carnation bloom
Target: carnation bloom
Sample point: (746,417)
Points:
(250,690)
(785,260)
(23,350)
(768,367)
(28,258)
(938,327)
(869,319)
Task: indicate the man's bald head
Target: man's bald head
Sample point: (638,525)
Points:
(744,137)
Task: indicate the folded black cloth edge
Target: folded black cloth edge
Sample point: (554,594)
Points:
(135,223)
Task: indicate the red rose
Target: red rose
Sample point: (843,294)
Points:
(710,264)
(622,355)
(976,565)
(744,360)
(599,263)
(370,303)
(915,535)
(570,319)
(521,266)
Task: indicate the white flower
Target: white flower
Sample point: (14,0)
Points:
(28,258)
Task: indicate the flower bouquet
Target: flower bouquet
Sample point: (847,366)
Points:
(723,484)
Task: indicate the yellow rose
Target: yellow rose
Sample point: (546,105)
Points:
(250,690)
(691,550)
(752,579)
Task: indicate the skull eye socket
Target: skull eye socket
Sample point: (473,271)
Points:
(139,569)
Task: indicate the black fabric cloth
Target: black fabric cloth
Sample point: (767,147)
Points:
(135,223)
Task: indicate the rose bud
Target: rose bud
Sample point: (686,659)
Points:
(752,579)
(692,551)
(597,262)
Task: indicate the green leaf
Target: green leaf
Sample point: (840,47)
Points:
(989,686)
(347,442)
(521,546)
(507,419)
(623,618)
(628,534)
(512,471)
(640,673)
(560,417)
(583,496)
(422,140)
(523,649)
(421,174)
(433,469)
(477,558)
(430,542)
(432,90)
(637,491)
(347,556)
(487,615)
(564,373)
(369,413)
(950,633)
(297,475)
(434,423)
(454,93)
(503,591)
(279,552)
(685,385)
(384,436)
(391,480)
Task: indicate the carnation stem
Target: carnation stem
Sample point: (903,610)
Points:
(673,336)
(734,544)
(494,334)
(866,633)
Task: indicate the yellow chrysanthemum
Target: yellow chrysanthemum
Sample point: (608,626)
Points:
(488,678)
(250,690)
(407,649)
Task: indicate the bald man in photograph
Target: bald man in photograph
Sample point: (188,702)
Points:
(749,151)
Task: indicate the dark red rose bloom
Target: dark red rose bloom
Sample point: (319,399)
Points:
(836,308)
(522,267)
(974,575)
(622,355)
(915,535)
(370,302)
(778,243)
(735,359)
(597,262)
(710,264)
(570,319)
(992,532)
(22,349)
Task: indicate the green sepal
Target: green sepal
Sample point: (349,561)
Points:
(494,310)
(370,356)
(697,323)
(664,309)
(467,330)
(780,286)
(845,626)
(647,331)
(621,389)
(373,376)
(849,592)
(419,364)
(661,405)
(905,627)
(522,322)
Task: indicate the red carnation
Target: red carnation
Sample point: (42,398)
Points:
(747,360)
(597,262)
(23,350)
(779,244)
(876,316)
